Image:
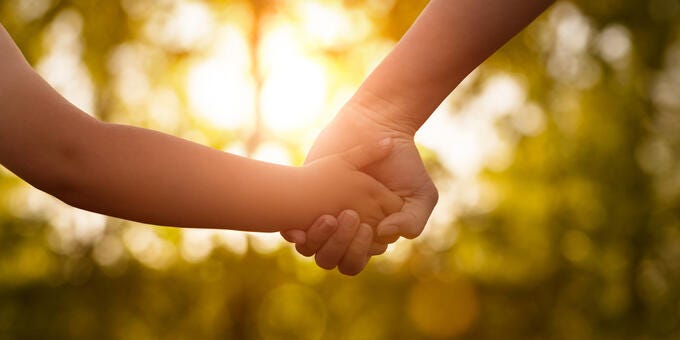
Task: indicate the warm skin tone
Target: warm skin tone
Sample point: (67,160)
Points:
(447,42)
(150,177)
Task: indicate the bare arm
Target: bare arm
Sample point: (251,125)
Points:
(151,177)
(449,40)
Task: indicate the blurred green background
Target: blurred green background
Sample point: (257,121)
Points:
(558,163)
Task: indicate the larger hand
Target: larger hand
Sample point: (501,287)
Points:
(402,171)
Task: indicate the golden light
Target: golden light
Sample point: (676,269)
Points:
(443,309)
(466,138)
(295,88)
(292,311)
(197,244)
(185,26)
(332,25)
(296,98)
(273,153)
(148,248)
(220,86)
(62,66)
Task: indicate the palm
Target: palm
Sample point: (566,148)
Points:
(402,171)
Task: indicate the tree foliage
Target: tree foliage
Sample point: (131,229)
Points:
(575,235)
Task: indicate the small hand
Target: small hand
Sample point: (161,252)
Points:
(343,242)
(336,182)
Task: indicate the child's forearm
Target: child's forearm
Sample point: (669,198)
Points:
(139,174)
(447,42)
(147,176)
(151,177)
(134,173)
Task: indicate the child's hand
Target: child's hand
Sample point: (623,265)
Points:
(336,183)
(344,242)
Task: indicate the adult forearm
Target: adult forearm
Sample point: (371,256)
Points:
(447,42)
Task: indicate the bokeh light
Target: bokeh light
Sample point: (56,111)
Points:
(557,163)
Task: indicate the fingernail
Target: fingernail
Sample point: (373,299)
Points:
(328,226)
(328,221)
(385,142)
(348,217)
(389,230)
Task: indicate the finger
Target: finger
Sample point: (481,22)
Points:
(294,236)
(331,253)
(363,155)
(377,248)
(386,239)
(389,201)
(299,237)
(410,221)
(356,257)
(317,235)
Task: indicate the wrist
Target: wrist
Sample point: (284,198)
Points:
(301,199)
(373,111)
(369,121)
(389,110)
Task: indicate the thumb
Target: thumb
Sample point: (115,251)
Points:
(364,155)
(411,220)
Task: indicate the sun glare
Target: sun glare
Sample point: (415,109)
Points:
(63,66)
(222,89)
(295,87)
(186,26)
(220,86)
(324,23)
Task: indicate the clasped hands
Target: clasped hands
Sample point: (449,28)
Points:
(345,240)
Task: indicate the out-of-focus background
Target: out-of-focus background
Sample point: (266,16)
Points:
(558,164)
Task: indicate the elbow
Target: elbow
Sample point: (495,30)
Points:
(59,178)
(64,171)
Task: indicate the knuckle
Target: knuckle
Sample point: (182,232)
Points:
(434,196)
(353,254)
(343,237)
(341,240)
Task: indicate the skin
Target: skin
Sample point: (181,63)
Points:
(342,242)
(447,42)
(150,177)
(444,45)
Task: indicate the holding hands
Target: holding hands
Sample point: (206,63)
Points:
(345,242)
(335,182)
(429,61)
(365,160)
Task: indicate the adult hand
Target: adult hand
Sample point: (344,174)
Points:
(402,171)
